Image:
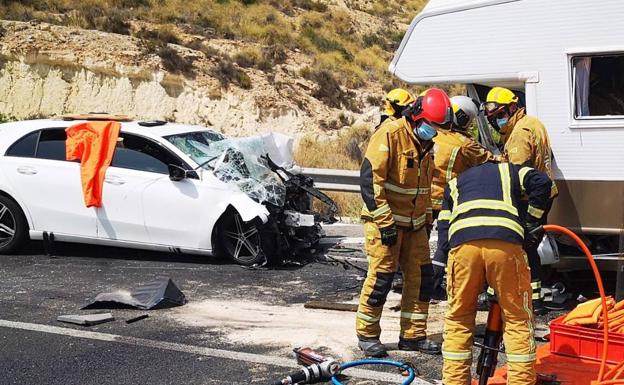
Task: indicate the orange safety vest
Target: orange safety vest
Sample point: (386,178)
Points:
(93,143)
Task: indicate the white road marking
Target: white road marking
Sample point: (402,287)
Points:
(192,349)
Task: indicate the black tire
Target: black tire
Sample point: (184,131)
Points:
(13,226)
(240,241)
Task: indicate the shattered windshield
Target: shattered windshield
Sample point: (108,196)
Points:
(236,161)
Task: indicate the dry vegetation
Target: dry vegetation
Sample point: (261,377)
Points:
(346,51)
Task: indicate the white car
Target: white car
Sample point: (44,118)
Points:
(170,187)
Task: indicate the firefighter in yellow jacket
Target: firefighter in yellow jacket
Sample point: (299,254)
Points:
(395,181)
(455,151)
(526,143)
(395,103)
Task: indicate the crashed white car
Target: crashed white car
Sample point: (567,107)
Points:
(170,187)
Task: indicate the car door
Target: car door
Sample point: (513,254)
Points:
(49,185)
(140,202)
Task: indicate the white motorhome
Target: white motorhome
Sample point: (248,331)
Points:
(566,60)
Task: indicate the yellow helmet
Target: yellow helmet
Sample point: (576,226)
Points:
(396,101)
(497,98)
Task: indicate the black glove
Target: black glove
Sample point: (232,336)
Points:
(428,228)
(389,235)
(438,272)
(533,234)
(439,284)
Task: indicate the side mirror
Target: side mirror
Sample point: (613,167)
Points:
(176,173)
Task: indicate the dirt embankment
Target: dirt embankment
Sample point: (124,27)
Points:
(48,70)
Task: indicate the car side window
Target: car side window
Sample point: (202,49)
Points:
(24,147)
(137,153)
(51,144)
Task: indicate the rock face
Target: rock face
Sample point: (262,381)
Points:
(48,70)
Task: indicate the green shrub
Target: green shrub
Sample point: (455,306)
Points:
(164,34)
(329,91)
(226,72)
(173,62)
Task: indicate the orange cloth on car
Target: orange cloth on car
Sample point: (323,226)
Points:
(93,143)
(587,313)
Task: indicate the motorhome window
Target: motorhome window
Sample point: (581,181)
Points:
(598,86)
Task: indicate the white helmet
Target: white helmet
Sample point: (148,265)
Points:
(465,110)
(548,250)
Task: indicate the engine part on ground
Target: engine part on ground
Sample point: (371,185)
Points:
(311,374)
(403,367)
(158,293)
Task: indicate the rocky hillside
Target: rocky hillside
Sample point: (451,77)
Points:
(241,66)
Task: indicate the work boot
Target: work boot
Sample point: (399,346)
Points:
(422,345)
(372,347)
(539,308)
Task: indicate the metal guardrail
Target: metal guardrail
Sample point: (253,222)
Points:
(334,180)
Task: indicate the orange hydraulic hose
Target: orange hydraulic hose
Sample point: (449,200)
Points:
(603,298)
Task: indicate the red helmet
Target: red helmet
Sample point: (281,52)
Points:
(433,106)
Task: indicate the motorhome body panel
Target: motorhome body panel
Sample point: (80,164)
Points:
(531,44)
(527,40)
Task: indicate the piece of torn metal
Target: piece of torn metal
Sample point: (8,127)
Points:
(86,319)
(159,293)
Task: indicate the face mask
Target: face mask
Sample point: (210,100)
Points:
(502,122)
(425,131)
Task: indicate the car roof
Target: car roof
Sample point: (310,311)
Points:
(25,126)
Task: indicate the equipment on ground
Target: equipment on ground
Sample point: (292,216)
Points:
(488,358)
(311,374)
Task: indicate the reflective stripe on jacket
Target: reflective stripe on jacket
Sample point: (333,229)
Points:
(454,153)
(485,203)
(395,177)
(527,144)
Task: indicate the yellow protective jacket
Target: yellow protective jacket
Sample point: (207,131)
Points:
(454,152)
(395,178)
(527,144)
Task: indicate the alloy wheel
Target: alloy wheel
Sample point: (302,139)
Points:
(7,225)
(243,241)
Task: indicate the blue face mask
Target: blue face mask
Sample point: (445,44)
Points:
(502,122)
(425,131)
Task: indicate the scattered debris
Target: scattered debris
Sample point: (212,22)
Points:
(86,319)
(325,305)
(135,319)
(159,293)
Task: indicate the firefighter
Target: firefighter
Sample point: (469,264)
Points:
(395,180)
(481,230)
(395,103)
(454,152)
(526,143)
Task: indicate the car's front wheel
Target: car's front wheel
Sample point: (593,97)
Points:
(240,241)
(13,226)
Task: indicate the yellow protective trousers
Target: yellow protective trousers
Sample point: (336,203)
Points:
(503,265)
(411,253)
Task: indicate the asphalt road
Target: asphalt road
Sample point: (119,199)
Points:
(162,349)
